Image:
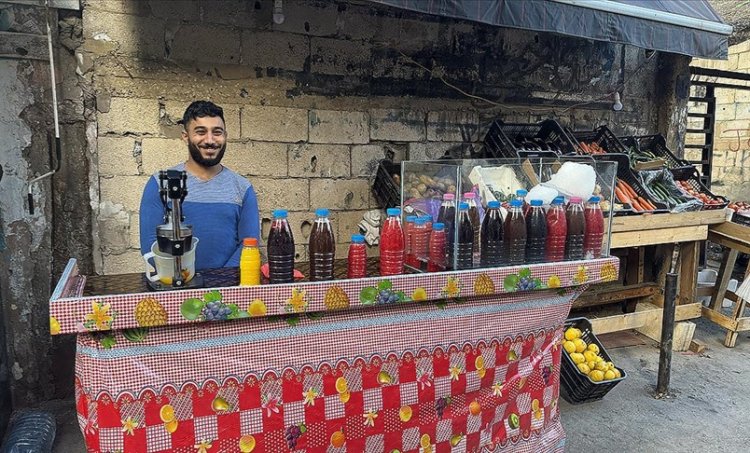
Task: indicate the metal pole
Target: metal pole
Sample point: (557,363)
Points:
(667,327)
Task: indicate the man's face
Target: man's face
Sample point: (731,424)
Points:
(206,139)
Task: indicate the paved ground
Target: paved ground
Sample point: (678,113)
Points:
(709,410)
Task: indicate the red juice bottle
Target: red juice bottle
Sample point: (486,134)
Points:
(514,234)
(408,238)
(322,247)
(592,242)
(447,216)
(436,260)
(521,195)
(357,263)
(476,222)
(392,244)
(576,230)
(465,240)
(491,236)
(557,231)
(420,242)
(280,249)
(536,233)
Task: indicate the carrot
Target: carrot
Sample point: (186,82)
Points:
(645,203)
(621,195)
(637,206)
(629,190)
(585,148)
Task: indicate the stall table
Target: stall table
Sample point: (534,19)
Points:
(462,361)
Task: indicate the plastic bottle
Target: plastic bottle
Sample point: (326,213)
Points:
(357,263)
(436,261)
(476,222)
(557,231)
(536,233)
(576,229)
(491,236)
(421,240)
(280,249)
(465,240)
(521,195)
(250,263)
(322,247)
(427,222)
(592,242)
(392,244)
(447,216)
(408,239)
(514,234)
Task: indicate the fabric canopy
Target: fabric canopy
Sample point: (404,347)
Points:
(688,27)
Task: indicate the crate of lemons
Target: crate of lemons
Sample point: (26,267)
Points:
(587,358)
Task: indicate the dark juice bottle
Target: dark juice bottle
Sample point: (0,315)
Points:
(465,239)
(514,234)
(592,242)
(447,216)
(491,236)
(357,258)
(521,195)
(557,231)
(322,247)
(392,244)
(436,260)
(280,249)
(536,233)
(576,229)
(476,222)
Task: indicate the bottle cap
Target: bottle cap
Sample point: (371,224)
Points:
(321,212)
(393,212)
(536,202)
(463,205)
(594,200)
(358,239)
(421,221)
(493,204)
(522,192)
(280,213)
(558,200)
(411,218)
(250,242)
(438,226)
(449,196)
(516,203)
(470,195)
(427,218)
(576,200)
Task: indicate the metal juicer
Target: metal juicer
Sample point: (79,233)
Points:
(173,237)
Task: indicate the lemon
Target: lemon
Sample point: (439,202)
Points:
(247,444)
(54,326)
(596,375)
(617,373)
(609,375)
(590,356)
(601,365)
(479,362)
(166,413)
(405,413)
(593,348)
(535,405)
(583,368)
(592,364)
(572,333)
(610,366)
(577,358)
(425,441)
(341,385)
(569,346)
(171,426)
(344,397)
(580,345)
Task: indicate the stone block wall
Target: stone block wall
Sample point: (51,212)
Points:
(314,103)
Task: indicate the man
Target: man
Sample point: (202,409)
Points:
(220,204)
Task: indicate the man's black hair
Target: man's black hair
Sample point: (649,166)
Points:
(200,109)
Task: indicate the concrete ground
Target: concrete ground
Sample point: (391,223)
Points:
(708,411)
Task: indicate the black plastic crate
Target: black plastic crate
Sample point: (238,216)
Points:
(385,188)
(625,174)
(602,136)
(657,145)
(576,387)
(544,139)
(695,182)
(740,219)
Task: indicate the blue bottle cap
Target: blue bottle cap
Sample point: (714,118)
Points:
(522,192)
(393,212)
(321,212)
(558,200)
(536,202)
(516,203)
(358,239)
(427,218)
(438,226)
(463,205)
(279,213)
(411,218)
(420,221)
(493,204)
(594,200)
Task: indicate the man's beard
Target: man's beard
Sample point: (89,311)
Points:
(195,153)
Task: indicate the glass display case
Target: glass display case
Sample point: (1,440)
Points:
(502,212)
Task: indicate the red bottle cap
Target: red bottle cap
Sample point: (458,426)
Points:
(250,242)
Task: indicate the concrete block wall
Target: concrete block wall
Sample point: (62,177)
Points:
(731,156)
(313,104)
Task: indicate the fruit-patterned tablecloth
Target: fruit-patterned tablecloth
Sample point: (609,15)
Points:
(475,374)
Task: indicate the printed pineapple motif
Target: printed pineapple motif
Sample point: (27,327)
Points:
(336,299)
(608,273)
(150,313)
(483,285)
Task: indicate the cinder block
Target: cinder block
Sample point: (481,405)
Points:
(358,23)
(287,193)
(278,124)
(365,158)
(340,193)
(743,61)
(300,223)
(308,18)
(332,126)
(123,190)
(452,126)
(216,44)
(340,57)
(346,223)
(741,95)
(162,153)
(175,109)
(275,50)
(128,262)
(178,10)
(397,125)
(238,13)
(119,6)
(743,112)
(726,112)
(256,158)
(114,232)
(116,156)
(130,115)
(122,33)
(433,150)
(319,161)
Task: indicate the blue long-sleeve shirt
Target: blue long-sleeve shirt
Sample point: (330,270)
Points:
(222,211)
